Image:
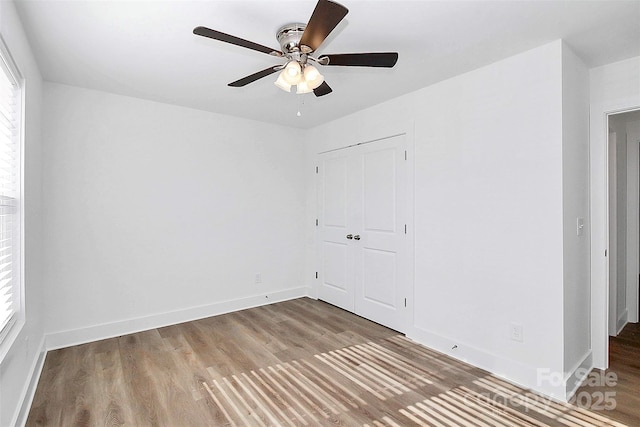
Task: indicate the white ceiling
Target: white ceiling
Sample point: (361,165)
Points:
(146,49)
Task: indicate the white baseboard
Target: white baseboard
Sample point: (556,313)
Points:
(313,292)
(576,375)
(509,370)
(622,321)
(98,332)
(20,417)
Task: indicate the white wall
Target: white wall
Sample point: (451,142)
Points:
(489,215)
(575,204)
(17,369)
(156,214)
(488,210)
(613,88)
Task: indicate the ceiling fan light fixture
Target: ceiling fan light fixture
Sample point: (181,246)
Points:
(303,87)
(305,77)
(312,77)
(292,73)
(282,83)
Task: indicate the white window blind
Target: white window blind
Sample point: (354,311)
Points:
(10,148)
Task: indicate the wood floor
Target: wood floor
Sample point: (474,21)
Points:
(300,362)
(624,365)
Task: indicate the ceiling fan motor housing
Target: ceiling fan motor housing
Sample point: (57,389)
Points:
(289,38)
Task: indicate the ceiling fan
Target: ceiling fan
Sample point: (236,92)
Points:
(298,43)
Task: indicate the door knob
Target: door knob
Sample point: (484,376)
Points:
(350,236)
(356,237)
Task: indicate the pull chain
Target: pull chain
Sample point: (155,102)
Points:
(300,105)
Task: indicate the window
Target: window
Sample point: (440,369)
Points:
(11,307)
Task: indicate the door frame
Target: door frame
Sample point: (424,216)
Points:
(612,228)
(599,219)
(407,130)
(630,209)
(633,292)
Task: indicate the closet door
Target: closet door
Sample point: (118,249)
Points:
(362,234)
(380,257)
(335,220)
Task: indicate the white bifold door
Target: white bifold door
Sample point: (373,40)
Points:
(362,230)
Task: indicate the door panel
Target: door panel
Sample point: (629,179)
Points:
(335,275)
(379,277)
(380,265)
(379,185)
(335,194)
(335,265)
(363,194)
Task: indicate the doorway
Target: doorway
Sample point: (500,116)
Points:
(624,219)
(362,230)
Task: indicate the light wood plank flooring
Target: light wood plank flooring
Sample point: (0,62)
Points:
(300,362)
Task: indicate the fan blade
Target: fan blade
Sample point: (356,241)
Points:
(323,89)
(379,59)
(324,19)
(217,35)
(253,77)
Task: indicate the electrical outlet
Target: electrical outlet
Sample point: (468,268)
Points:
(516,332)
(258,277)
